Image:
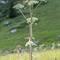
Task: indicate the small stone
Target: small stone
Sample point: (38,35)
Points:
(3,2)
(11,51)
(58,37)
(13,30)
(0,51)
(0,13)
(36,42)
(26,50)
(6,23)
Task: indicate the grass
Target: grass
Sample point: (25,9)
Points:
(46,31)
(42,55)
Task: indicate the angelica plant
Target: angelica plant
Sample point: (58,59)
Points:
(30,20)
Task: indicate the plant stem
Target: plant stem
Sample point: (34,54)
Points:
(36,7)
(22,14)
(30,26)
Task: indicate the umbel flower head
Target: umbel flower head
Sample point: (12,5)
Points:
(25,1)
(29,43)
(18,6)
(33,19)
(32,2)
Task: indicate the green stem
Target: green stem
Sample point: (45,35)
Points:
(30,32)
(22,14)
(36,7)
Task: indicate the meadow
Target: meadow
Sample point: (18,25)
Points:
(46,31)
(38,55)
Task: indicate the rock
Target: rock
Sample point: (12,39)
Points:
(3,2)
(11,51)
(6,23)
(0,51)
(58,37)
(5,52)
(0,13)
(26,50)
(36,42)
(13,30)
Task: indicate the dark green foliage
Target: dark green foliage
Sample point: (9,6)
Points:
(12,12)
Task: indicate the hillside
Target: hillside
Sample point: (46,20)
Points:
(46,31)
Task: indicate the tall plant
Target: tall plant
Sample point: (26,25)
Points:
(31,20)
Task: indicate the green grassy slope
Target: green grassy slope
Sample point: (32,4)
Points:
(47,30)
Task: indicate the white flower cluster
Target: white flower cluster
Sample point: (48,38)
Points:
(32,2)
(29,43)
(33,19)
(53,46)
(36,49)
(44,1)
(18,6)
(41,46)
(58,45)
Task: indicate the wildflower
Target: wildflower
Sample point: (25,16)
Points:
(36,49)
(30,43)
(18,6)
(32,2)
(34,57)
(53,46)
(33,38)
(36,42)
(35,23)
(45,49)
(18,49)
(44,1)
(33,19)
(25,1)
(58,44)
(41,46)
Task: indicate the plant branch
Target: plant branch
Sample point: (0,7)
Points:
(22,14)
(36,7)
